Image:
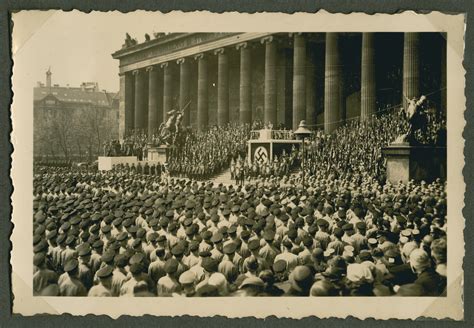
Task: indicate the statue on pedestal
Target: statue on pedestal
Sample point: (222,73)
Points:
(170,130)
(129,41)
(416,118)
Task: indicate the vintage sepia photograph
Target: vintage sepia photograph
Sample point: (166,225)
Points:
(169,162)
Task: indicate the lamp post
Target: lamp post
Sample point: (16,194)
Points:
(303,132)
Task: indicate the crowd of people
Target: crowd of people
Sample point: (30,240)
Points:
(207,153)
(130,234)
(160,231)
(134,144)
(354,150)
(279,167)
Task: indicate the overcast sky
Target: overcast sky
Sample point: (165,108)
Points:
(77,46)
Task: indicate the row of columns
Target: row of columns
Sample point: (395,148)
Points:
(146,112)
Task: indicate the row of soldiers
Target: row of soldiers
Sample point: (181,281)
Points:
(134,144)
(154,168)
(110,234)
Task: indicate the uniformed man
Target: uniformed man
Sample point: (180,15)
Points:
(69,284)
(169,284)
(104,288)
(45,281)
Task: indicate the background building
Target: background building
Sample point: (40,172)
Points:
(72,123)
(280,78)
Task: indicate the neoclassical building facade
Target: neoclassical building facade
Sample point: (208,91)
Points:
(278,78)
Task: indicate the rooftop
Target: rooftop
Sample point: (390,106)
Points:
(75,95)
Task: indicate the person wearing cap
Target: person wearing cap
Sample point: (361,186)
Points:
(224,218)
(348,229)
(198,269)
(187,281)
(150,243)
(56,256)
(251,286)
(178,251)
(261,208)
(156,269)
(216,251)
(103,288)
(231,254)
(268,251)
(230,263)
(69,252)
(269,289)
(68,283)
(359,280)
(430,281)
(192,258)
(96,254)
(323,288)
(439,252)
(168,284)
(399,273)
(116,227)
(132,236)
(220,281)
(322,235)
(359,238)
(286,255)
(85,274)
(120,274)
(254,248)
(301,280)
(212,276)
(337,244)
(136,276)
(205,245)
(45,281)
(54,249)
(171,236)
(317,261)
(122,239)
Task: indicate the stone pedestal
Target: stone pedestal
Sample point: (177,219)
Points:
(158,154)
(407,162)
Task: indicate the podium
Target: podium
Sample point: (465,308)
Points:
(407,162)
(158,154)
(266,143)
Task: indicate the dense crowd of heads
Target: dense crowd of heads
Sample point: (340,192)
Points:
(130,234)
(204,154)
(135,143)
(345,232)
(354,150)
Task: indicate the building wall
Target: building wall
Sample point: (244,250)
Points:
(388,67)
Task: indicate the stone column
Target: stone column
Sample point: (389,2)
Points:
(443,82)
(184,89)
(310,89)
(222,87)
(245,84)
(332,84)
(140,110)
(270,99)
(367,92)
(299,79)
(126,113)
(153,106)
(411,66)
(202,93)
(167,90)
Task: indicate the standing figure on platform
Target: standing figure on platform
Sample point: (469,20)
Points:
(415,117)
